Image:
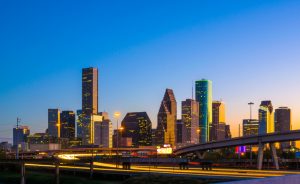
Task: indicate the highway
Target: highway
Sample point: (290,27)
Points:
(195,172)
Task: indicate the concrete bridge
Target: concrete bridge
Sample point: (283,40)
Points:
(260,140)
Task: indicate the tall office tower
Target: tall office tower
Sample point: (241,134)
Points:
(138,126)
(250,127)
(227,132)
(103,132)
(89,105)
(79,124)
(89,91)
(20,134)
(204,97)
(67,128)
(166,119)
(181,137)
(283,123)
(54,122)
(218,121)
(190,118)
(266,118)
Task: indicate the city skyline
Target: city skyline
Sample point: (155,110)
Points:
(127,73)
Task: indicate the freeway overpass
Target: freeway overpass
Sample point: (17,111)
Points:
(260,140)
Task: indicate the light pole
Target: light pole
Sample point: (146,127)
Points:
(250,120)
(117,115)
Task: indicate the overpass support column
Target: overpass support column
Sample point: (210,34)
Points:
(274,155)
(57,172)
(91,169)
(22,173)
(200,155)
(260,156)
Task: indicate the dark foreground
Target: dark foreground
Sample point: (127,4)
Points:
(34,177)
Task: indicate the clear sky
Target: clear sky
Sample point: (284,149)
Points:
(248,48)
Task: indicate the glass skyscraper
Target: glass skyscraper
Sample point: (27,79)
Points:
(138,126)
(89,104)
(89,91)
(54,122)
(67,128)
(166,120)
(266,118)
(217,132)
(204,97)
(190,119)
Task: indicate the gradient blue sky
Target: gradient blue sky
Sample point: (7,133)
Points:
(248,48)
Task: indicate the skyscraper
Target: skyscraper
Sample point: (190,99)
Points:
(266,118)
(103,132)
(138,126)
(89,91)
(283,123)
(67,128)
(227,132)
(190,118)
(89,105)
(250,127)
(218,121)
(54,122)
(181,132)
(166,119)
(204,97)
(20,134)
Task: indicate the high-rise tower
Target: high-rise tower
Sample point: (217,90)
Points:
(266,117)
(190,119)
(204,97)
(89,105)
(89,91)
(218,121)
(166,119)
(138,126)
(283,123)
(54,122)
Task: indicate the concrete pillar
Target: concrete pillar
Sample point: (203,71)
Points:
(22,173)
(57,172)
(260,156)
(200,155)
(274,155)
(91,169)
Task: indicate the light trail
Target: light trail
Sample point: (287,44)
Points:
(233,173)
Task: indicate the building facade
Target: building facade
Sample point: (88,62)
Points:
(89,91)
(20,134)
(190,118)
(89,112)
(54,125)
(104,132)
(181,135)
(218,121)
(166,120)
(250,127)
(67,128)
(283,123)
(204,97)
(138,126)
(266,118)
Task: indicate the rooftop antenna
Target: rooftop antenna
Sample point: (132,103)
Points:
(18,121)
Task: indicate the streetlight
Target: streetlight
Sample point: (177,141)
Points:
(198,132)
(117,116)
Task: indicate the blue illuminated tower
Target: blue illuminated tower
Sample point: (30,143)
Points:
(204,97)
